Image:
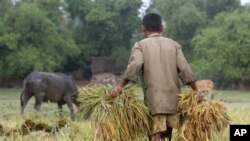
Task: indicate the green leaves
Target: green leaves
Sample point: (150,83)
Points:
(213,37)
(31,41)
(224,45)
(183,19)
(104,26)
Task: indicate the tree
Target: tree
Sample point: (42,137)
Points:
(222,49)
(212,8)
(31,42)
(52,9)
(183,29)
(182,20)
(104,28)
(5,6)
(185,17)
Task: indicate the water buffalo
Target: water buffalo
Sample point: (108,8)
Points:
(54,87)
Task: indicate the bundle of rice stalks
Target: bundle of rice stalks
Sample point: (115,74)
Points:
(123,118)
(31,126)
(202,120)
(1,130)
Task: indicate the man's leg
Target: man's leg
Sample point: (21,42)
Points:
(158,125)
(167,134)
(155,137)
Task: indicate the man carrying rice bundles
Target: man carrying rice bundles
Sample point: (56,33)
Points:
(160,62)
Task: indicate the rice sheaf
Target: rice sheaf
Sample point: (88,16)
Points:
(123,118)
(126,117)
(201,120)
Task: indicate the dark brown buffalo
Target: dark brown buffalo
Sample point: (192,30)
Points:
(54,87)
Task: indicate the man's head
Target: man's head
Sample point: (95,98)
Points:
(151,23)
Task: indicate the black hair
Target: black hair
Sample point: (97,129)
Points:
(152,22)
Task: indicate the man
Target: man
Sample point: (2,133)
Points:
(160,63)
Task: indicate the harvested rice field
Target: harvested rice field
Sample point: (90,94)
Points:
(48,125)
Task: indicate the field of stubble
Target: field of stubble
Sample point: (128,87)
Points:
(238,104)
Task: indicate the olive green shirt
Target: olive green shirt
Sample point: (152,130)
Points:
(160,63)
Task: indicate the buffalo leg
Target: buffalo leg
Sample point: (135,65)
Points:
(71,108)
(24,100)
(60,108)
(38,101)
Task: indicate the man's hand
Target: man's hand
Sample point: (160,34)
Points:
(199,95)
(117,90)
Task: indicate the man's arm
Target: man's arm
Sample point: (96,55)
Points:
(193,86)
(132,71)
(118,89)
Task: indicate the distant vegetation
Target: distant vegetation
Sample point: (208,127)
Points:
(55,35)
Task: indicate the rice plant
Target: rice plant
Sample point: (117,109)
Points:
(201,120)
(124,118)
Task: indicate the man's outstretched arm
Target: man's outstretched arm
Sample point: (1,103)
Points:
(118,89)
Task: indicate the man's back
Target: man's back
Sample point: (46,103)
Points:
(159,61)
(163,64)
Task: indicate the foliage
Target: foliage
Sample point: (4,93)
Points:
(31,41)
(185,17)
(102,27)
(183,28)
(52,9)
(121,54)
(213,8)
(51,35)
(208,39)
(5,6)
(179,23)
(223,49)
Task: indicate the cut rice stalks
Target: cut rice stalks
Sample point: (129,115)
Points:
(29,126)
(201,120)
(123,118)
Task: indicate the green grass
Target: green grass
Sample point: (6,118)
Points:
(233,96)
(238,104)
(10,118)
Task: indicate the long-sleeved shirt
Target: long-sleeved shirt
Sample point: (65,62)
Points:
(160,63)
